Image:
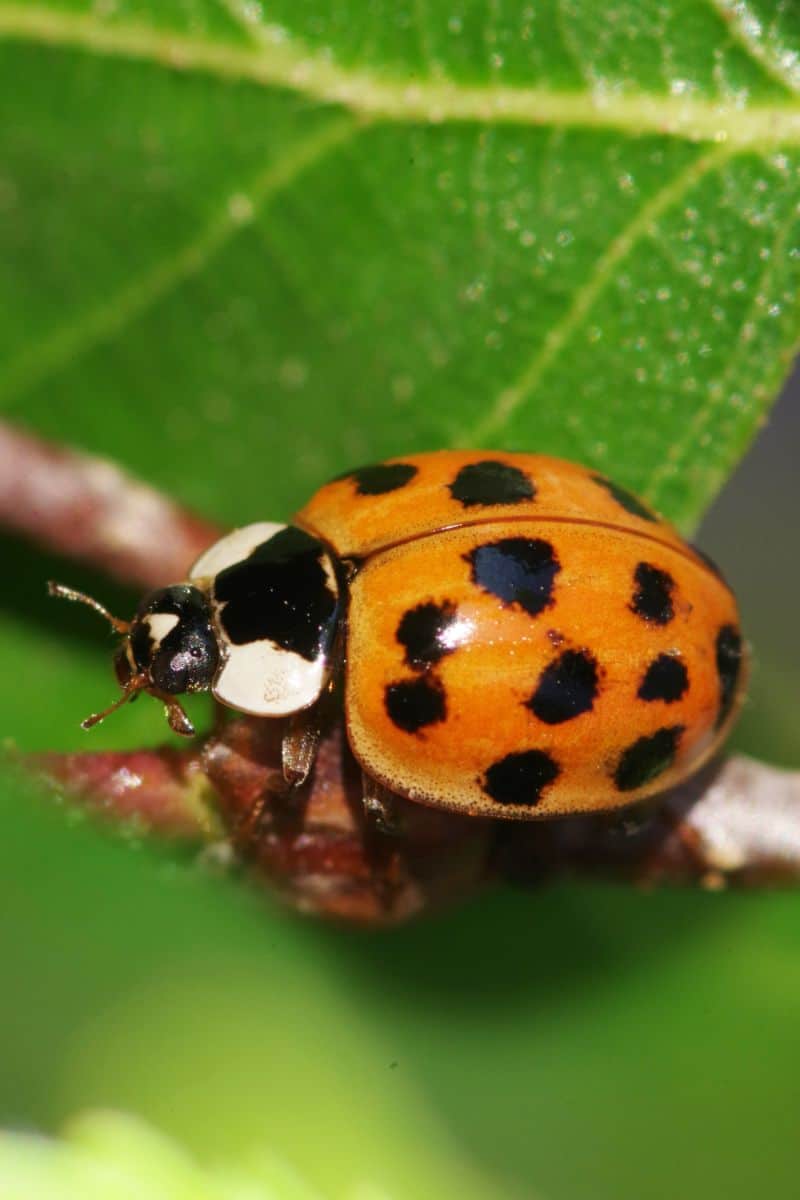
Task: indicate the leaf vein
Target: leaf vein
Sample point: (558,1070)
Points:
(679,449)
(233,9)
(745,30)
(42,361)
(510,399)
(288,65)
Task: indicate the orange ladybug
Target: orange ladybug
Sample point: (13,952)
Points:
(519,636)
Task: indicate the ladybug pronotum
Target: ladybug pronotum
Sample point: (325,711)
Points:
(518,637)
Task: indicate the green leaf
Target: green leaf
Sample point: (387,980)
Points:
(551,1038)
(245,246)
(152,989)
(304,235)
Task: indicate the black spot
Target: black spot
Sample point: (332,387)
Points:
(708,560)
(665,679)
(647,758)
(517,570)
(422,630)
(280,593)
(729,665)
(626,499)
(520,778)
(567,687)
(381,478)
(491,483)
(414,703)
(186,658)
(652,597)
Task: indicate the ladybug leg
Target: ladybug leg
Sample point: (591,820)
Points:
(380,809)
(299,746)
(176,717)
(303,730)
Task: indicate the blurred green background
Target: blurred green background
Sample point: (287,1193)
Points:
(236,290)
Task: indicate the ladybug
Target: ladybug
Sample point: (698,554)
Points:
(518,636)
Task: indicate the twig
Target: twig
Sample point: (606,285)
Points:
(737,826)
(88,509)
(736,823)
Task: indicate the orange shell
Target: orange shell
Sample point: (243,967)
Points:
(357,523)
(523,704)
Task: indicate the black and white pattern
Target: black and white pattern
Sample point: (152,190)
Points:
(275,599)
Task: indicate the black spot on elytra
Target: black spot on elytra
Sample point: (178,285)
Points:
(652,595)
(412,704)
(517,571)
(520,778)
(626,499)
(647,758)
(665,679)
(729,665)
(381,478)
(423,632)
(491,483)
(567,687)
(280,593)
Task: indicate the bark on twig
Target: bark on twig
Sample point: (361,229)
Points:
(738,824)
(314,846)
(88,509)
(163,791)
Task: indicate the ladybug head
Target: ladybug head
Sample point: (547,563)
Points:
(169,648)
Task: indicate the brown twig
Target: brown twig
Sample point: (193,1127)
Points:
(163,791)
(88,509)
(737,825)
(314,846)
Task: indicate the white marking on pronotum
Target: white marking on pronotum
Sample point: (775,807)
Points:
(264,680)
(260,677)
(234,547)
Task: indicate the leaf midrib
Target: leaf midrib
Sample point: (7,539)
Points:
(381,97)
(72,339)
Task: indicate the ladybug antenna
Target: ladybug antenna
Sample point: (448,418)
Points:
(133,684)
(176,716)
(67,593)
(132,688)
